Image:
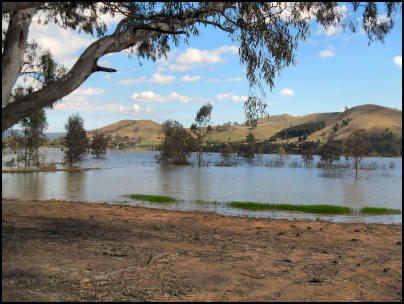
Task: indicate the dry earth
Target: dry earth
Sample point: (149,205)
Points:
(71,251)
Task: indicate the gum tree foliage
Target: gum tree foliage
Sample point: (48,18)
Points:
(178,144)
(247,150)
(330,151)
(267,34)
(356,147)
(75,141)
(99,144)
(201,128)
(33,128)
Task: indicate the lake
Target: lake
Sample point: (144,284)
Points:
(208,188)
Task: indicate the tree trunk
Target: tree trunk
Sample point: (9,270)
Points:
(13,54)
(356,168)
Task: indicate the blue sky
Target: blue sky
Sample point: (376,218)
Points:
(333,70)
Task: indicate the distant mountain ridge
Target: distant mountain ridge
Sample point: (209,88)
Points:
(50,135)
(373,118)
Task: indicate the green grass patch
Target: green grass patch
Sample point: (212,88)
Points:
(323,209)
(151,198)
(376,211)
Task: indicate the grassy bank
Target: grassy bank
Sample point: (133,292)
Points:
(325,209)
(322,209)
(151,198)
(256,206)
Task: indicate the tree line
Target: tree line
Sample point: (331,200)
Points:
(299,130)
(75,143)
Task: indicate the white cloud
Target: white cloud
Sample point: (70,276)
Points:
(212,80)
(88,91)
(136,108)
(397,60)
(328,52)
(188,78)
(130,81)
(232,97)
(63,43)
(79,99)
(163,79)
(234,79)
(150,97)
(104,63)
(196,58)
(88,107)
(329,31)
(106,76)
(286,92)
(156,78)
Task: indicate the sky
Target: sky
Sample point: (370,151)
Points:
(334,69)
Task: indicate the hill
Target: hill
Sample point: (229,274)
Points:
(142,130)
(373,118)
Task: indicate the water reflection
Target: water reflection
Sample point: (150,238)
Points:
(75,184)
(137,172)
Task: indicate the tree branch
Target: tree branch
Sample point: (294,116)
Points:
(225,29)
(160,30)
(87,62)
(103,69)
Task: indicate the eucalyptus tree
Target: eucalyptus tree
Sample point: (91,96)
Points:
(356,147)
(99,144)
(177,145)
(33,128)
(201,128)
(267,34)
(75,141)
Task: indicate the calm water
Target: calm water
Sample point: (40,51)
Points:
(207,188)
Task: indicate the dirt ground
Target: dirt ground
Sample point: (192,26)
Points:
(71,251)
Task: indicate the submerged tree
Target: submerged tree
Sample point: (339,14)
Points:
(75,140)
(226,151)
(356,147)
(330,151)
(33,128)
(99,144)
(201,128)
(268,34)
(248,149)
(178,144)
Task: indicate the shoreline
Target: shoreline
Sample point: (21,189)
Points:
(81,251)
(310,217)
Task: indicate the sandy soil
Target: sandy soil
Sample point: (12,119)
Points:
(70,251)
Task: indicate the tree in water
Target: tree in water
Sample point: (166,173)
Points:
(281,152)
(226,151)
(308,149)
(248,149)
(201,128)
(178,144)
(268,34)
(75,141)
(356,147)
(99,144)
(33,137)
(330,151)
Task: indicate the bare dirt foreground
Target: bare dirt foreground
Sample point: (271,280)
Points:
(70,251)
